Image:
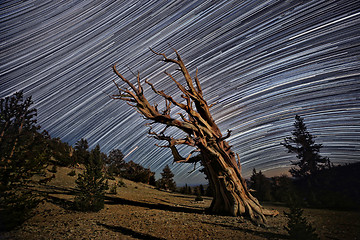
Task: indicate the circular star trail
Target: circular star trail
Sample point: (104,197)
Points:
(261,62)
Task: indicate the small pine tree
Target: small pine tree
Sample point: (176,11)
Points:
(297,226)
(166,182)
(91,184)
(306,149)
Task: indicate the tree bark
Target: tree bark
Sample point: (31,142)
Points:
(231,196)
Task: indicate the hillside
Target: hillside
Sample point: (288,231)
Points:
(138,211)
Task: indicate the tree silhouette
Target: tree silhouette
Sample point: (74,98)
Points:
(137,173)
(261,185)
(302,143)
(91,184)
(81,151)
(194,119)
(166,181)
(297,226)
(115,162)
(24,153)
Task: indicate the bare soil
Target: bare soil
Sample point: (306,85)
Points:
(138,211)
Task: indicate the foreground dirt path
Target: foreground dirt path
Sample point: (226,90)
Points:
(139,211)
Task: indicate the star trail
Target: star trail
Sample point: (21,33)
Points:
(261,62)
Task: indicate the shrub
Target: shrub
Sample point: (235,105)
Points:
(113,189)
(121,183)
(53,169)
(199,198)
(72,173)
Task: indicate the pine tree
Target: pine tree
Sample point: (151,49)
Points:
(166,182)
(115,162)
(91,184)
(302,143)
(261,185)
(81,151)
(23,153)
(297,226)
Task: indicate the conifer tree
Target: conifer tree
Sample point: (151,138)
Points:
(81,150)
(302,143)
(91,184)
(261,185)
(23,153)
(166,182)
(297,226)
(115,162)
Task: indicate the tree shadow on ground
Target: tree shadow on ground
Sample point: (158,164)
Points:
(267,235)
(165,201)
(58,190)
(158,206)
(130,232)
(61,202)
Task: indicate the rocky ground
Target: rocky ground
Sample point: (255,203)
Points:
(139,211)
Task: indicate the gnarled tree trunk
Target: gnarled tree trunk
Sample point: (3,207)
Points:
(231,196)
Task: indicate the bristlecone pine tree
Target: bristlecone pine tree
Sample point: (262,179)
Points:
(91,184)
(166,181)
(231,196)
(302,143)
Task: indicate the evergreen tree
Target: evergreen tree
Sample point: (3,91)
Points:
(91,184)
(166,182)
(261,185)
(115,162)
(23,154)
(81,151)
(137,173)
(297,226)
(61,152)
(283,189)
(302,143)
(152,180)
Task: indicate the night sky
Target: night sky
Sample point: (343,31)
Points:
(262,62)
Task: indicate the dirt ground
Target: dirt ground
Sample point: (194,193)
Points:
(139,211)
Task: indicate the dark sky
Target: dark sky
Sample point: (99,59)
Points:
(262,62)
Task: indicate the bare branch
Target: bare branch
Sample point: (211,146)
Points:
(168,97)
(165,58)
(227,135)
(198,83)
(213,104)
(124,79)
(139,85)
(238,161)
(178,84)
